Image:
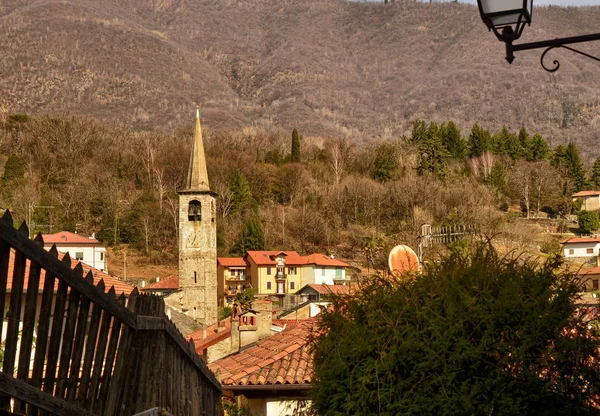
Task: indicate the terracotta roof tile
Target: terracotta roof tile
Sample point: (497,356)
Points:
(283,358)
(586,193)
(323,260)
(168,283)
(66,237)
(582,240)
(231,261)
(109,281)
(328,289)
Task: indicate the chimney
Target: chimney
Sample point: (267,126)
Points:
(264,307)
(157,279)
(93,236)
(143,284)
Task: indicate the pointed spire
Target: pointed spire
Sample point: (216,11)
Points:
(197,179)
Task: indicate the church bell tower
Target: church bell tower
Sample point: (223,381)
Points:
(198,239)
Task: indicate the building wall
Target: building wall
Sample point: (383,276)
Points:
(326,275)
(197,260)
(93,255)
(590,203)
(581,249)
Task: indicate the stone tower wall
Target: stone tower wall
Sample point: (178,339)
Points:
(198,259)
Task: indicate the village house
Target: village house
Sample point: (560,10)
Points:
(162,287)
(87,250)
(276,274)
(590,200)
(231,278)
(581,247)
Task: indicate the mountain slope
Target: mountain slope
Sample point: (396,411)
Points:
(328,67)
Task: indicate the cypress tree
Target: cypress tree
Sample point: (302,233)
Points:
(595,179)
(295,157)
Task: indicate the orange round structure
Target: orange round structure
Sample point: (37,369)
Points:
(403,259)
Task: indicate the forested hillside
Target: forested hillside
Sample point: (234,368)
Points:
(281,189)
(331,68)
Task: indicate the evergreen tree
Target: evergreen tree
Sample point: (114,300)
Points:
(453,142)
(595,179)
(537,149)
(588,221)
(14,169)
(386,162)
(432,153)
(419,132)
(242,200)
(523,137)
(475,334)
(295,157)
(252,237)
(479,141)
(575,167)
(497,178)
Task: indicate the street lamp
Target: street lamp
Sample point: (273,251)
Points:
(507,19)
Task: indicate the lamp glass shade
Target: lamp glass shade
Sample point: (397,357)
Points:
(500,13)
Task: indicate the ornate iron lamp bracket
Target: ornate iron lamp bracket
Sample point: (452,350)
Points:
(548,45)
(556,63)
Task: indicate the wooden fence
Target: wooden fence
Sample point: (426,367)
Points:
(70,348)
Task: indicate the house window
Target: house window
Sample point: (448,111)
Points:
(292,285)
(268,285)
(195,210)
(291,270)
(101,256)
(269,270)
(589,250)
(323,271)
(212,210)
(571,251)
(595,284)
(79,255)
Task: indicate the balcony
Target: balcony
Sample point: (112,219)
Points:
(280,276)
(239,278)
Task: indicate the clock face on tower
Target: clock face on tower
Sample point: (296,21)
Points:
(195,239)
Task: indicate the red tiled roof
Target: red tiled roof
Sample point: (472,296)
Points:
(582,240)
(586,193)
(288,323)
(323,260)
(202,341)
(231,261)
(66,237)
(589,270)
(109,281)
(283,358)
(168,283)
(264,257)
(292,258)
(329,289)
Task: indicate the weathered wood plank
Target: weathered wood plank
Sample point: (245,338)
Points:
(80,335)
(43,332)
(29,316)
(115,339)
(90,348)
(99,357)
(23,391)
(49,263)
(67,338)
(56,334)
(115,394)
(14,316)
(4,261)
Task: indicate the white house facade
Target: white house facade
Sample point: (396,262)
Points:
(87,250)
(581,247)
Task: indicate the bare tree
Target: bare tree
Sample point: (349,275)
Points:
(338,154)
